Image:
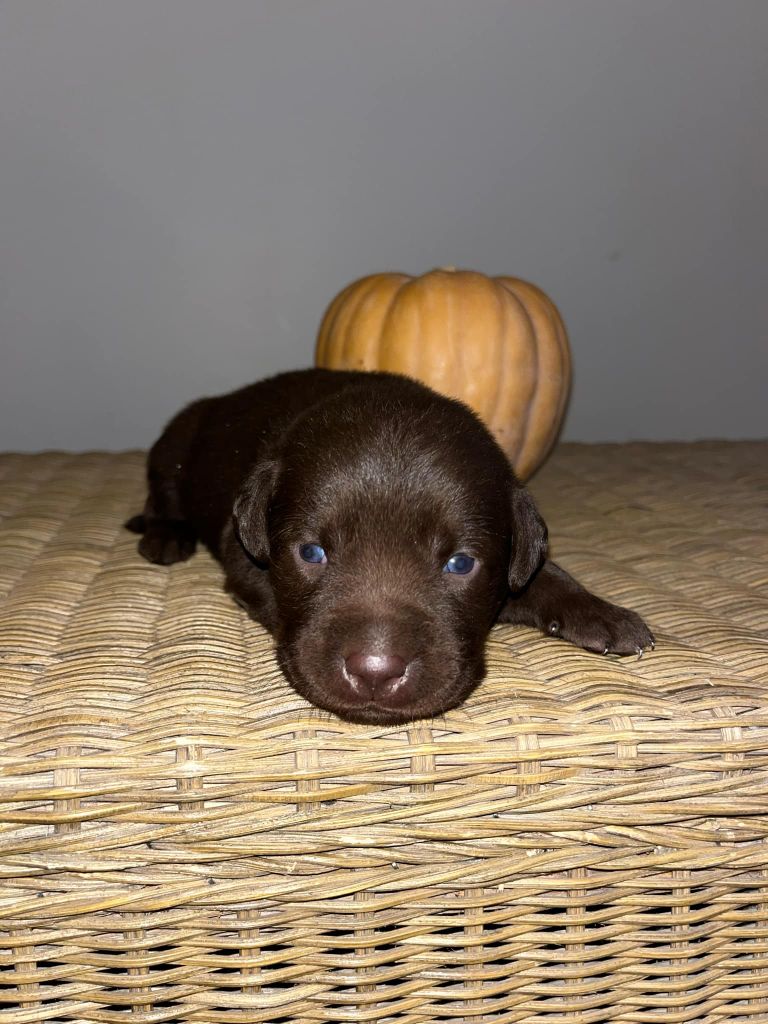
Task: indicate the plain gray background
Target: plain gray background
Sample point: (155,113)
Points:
(184,185)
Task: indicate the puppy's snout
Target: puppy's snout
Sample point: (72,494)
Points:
(374,675)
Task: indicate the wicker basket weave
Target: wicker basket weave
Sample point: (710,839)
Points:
(182,838)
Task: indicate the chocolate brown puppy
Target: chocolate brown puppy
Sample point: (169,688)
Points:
(375,528)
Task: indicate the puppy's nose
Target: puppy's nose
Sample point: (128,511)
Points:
(372,673)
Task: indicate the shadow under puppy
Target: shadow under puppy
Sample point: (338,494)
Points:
(375,528)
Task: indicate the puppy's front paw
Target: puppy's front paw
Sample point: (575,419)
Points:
(166,542)
(597,625)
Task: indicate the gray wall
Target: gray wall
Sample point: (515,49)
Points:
(185,184)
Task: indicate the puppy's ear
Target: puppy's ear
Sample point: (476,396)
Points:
(529,538)
(251,506)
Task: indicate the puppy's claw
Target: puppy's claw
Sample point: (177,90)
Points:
(639,651)
(606,649)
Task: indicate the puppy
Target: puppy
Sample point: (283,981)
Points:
(375,528)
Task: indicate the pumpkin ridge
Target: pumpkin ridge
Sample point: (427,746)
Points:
(514,437)
(387,317)
(530,404)
(329,323)
(453,319)
(502,380)
(336,316)
(478,294)
(542,429)
(532,343)
(349,338)
(457,290)
(564,369)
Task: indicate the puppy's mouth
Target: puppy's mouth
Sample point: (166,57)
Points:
(395,700)
(377,714)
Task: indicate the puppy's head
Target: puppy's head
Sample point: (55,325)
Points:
(393,530)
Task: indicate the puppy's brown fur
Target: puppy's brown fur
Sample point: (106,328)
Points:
(391,480)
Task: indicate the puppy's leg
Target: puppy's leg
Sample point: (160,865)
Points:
(168,536)
(166,541)
(556,604)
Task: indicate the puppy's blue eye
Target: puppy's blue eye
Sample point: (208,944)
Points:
(313,553)
(460,564)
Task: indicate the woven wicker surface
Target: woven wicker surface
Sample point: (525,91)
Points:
(184,839)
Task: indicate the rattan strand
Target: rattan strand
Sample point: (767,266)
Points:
(182,838)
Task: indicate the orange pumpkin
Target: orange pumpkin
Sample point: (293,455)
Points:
(498,344)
